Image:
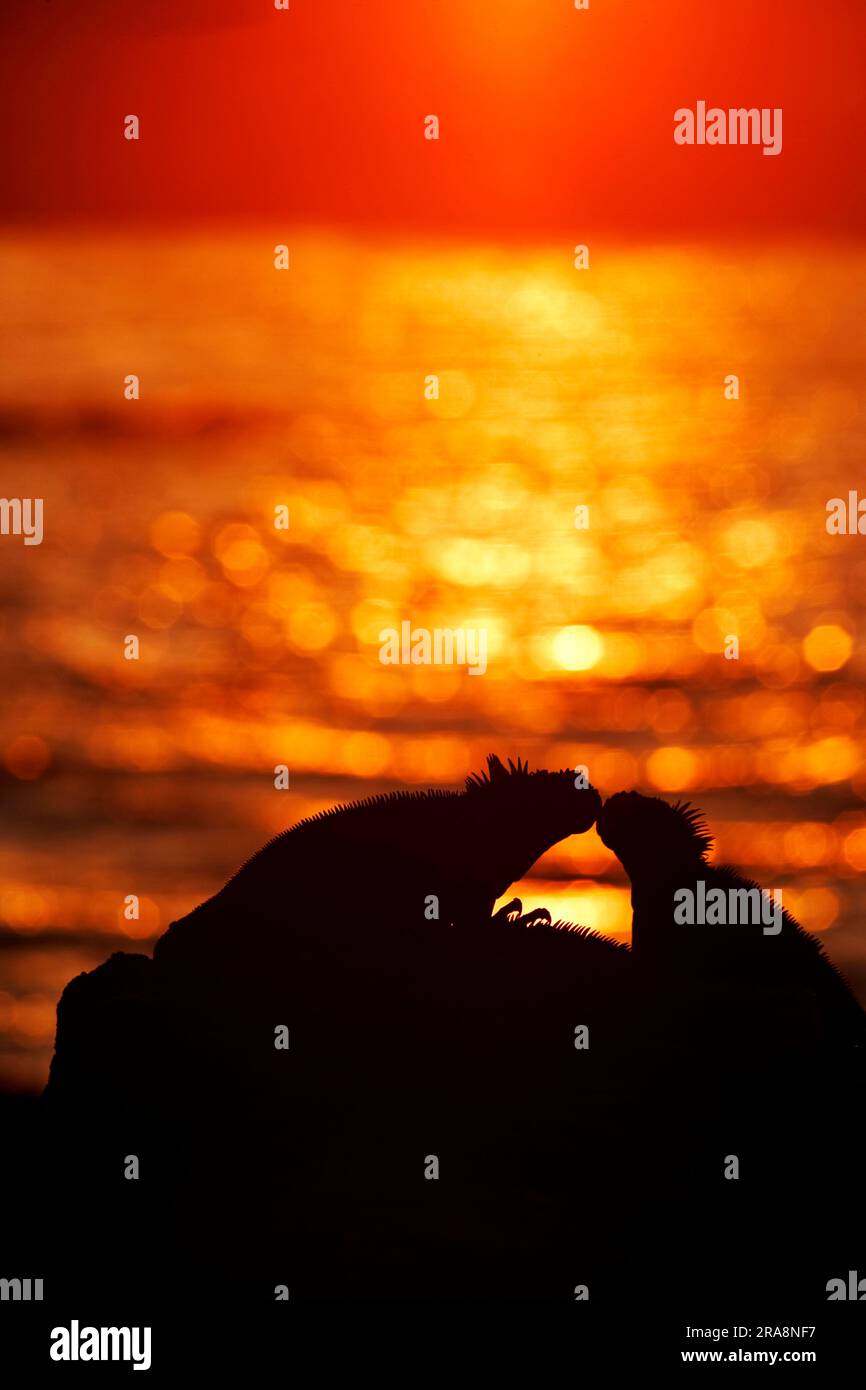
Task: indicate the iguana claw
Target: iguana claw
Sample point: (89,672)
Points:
(532,919)
(509,913)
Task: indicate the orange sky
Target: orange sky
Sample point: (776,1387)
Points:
(554,121)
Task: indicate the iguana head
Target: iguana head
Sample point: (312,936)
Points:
(647,834)
(526,813)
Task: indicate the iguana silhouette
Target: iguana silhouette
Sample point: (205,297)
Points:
(407,1036)
(759,1052)
(399,858)
(785,973)
(560,1163)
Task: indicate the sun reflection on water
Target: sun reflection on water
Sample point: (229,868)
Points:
(606,643)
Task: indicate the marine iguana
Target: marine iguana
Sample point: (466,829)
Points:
(775,968)
(375,864)
(394,859)
(418,1040)
(758,1051)
(407,1037)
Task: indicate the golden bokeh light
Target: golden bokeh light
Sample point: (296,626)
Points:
(672,769)
(577,648)
(855,849)
(815,908)
(311,627)
(175,534)
(26,757)
(827,647)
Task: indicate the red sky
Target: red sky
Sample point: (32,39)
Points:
(553,121)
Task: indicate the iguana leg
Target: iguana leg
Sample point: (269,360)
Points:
(531,919)
(509,913)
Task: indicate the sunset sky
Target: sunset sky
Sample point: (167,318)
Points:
(554,122)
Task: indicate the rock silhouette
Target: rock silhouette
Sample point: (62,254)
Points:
(580,1100)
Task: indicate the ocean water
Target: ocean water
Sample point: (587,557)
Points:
(308,388)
